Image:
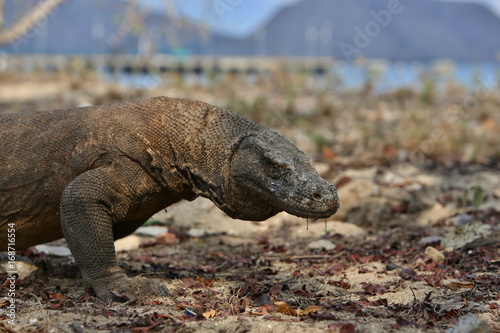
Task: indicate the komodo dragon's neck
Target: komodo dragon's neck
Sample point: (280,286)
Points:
(199,142)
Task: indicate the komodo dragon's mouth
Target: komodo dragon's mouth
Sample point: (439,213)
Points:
(320,203)
(308,209)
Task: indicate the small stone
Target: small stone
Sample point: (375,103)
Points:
(462,219)
(391,266)
(407,274)
(470,235)
(470,324)
(196,232)
(430,239)
(168,239)
(22,269)
(322,244)
(128,243)
(76,327)
(59,251)
(434,253)
(151,231)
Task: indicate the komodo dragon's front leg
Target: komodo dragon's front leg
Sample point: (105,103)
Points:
(92,205)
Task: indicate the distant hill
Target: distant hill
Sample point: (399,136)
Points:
(406,30)
(421,30)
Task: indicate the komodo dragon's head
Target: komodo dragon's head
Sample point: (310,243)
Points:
(269,174)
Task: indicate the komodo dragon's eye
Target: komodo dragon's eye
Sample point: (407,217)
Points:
(277,170)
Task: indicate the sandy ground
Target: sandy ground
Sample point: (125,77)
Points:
(409,251)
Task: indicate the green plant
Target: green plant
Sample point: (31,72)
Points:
(477,197)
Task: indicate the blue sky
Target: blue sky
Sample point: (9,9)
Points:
(242,17)
(231,17)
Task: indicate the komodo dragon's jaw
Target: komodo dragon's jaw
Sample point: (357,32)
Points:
(270,174)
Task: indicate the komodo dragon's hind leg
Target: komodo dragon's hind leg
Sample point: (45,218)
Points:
(90,205)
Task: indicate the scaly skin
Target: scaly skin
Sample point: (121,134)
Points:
(95,174)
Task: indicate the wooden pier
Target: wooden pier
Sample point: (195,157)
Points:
(161,63)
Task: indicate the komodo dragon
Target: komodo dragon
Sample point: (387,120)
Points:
(95,174)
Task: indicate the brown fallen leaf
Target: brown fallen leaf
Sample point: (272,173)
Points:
(209,314)
(342,328)
(205,282)
(218,255)
(457,285)
(327,153)
(308,310)
(262,311)
(107,313)
(182,305)
(168,239)
(4,327)
(56,296)
(284,308)
(55,306)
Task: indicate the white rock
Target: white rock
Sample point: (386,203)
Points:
(152,231)
(430,239)
(470,235)
(470,324)
(128,243)
(462,219)
(21,268)
(322,244)
(196,232)
(59,251)
(434,253)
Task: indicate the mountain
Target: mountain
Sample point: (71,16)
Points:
(394,29)
(414,30)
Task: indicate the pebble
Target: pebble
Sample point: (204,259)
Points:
(22,269)
(430,239)
(322,244)
(462,219)
(128,243)
(434,253)
(76,327)
(470,235)
(59,251)
(196,232)
(470,324)
(152,231)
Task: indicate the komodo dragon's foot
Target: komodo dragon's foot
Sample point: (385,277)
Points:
(128,288)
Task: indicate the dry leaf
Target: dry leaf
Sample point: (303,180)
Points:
(57,296)
(209,314)
(218,255)
(308,310)
(457,285)
(168,239)
(181,305)
(283,307)
(4,303)
(55,306)
(327,153)
(262,311)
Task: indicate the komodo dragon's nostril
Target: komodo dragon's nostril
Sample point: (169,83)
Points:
(317,195)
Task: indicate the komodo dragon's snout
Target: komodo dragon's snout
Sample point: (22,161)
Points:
(273,175)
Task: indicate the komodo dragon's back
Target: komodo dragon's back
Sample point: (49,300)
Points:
(97,173)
